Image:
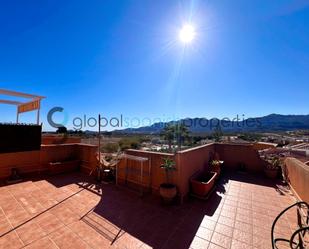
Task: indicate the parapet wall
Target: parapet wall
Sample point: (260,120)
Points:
(32,162)
(190,161)
(233,155)
(60,139)
(298,176)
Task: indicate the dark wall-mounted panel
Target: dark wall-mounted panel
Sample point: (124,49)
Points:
(17,138)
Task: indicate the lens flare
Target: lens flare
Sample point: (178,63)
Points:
(187,33)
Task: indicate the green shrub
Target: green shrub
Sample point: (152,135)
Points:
(130,143)
(110,147)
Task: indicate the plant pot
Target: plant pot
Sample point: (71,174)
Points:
(202,184)
(271,173)
(168,191)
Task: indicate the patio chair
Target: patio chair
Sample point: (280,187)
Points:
(106,169)
(299,238)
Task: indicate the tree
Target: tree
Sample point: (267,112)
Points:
(217,134)
(62,130)
(168,135)
(182,133)
(178,132)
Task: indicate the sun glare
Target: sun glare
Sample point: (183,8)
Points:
(187,34)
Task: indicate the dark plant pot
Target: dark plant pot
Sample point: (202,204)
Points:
(203,183)
(168,191)
(271,173)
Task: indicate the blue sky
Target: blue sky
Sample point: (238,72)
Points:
(124,57)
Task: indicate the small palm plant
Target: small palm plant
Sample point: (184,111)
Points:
(215,163)
(168,165)
(168,190)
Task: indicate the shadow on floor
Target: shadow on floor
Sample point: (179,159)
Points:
(122,216)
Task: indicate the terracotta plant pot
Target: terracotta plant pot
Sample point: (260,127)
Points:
(202,184)
(271,173)
(168,191)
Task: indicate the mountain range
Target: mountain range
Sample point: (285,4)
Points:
(272,122)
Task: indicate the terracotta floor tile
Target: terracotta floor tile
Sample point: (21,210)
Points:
(5,226)
(64,238)
(226,221)
(221,240)
(127,241)
(65,215)
(245,237)
(214,246)
(44,243)
(11,240)
(227,207)
(102,225)
(30,232)
(244,218)
(199,243)
(240,245)
(145,246)
(261,243)
(231,203)
(94,238)
(210,224)
(246,227)
(18,216)
(261,232)
(48,222)
(223,229)
(204,233)
(229,214)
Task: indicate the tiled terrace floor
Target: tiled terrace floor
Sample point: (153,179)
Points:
(69,211)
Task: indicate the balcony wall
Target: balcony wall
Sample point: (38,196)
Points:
(26,162)
(233,155)
(298,175)
(60,139)
(191,161)
(32,162)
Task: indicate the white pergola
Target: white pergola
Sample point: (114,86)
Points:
(33,103)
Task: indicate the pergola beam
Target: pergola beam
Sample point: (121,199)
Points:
(10,102)
(19,94)
(33,104)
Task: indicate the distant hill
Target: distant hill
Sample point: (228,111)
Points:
(272,122)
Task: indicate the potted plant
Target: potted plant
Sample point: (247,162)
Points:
(215,166)
(272,166)
(168,190)
(202,183)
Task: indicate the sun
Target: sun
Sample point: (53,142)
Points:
(187,34)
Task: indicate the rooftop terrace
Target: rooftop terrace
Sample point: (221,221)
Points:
(71,211)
